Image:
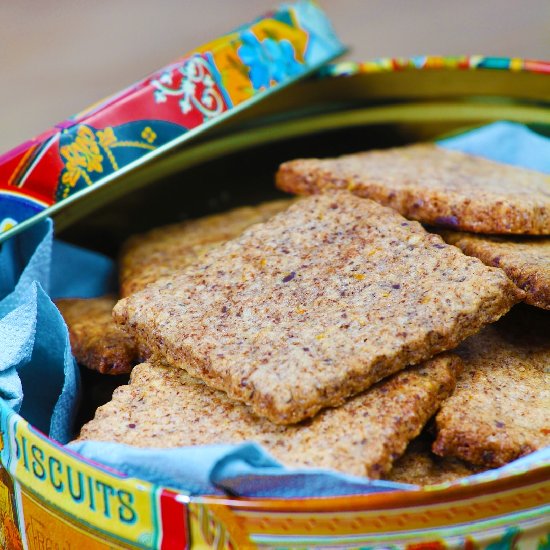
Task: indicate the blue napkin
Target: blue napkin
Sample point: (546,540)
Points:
(38,375)
(507,142)
(34,343)
(77,272)
(35,354)
(240,470)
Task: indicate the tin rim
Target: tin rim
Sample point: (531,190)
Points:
(431,62)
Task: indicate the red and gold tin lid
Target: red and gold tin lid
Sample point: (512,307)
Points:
(166,109)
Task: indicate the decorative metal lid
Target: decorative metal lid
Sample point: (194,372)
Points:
(170,107)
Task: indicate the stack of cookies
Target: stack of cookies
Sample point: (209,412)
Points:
(335,329)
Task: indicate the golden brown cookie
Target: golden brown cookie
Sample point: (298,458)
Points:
(165,407)
(96,342)
(500,410)
(419,466)
(526,260)
(433,185)
(315,305)
(166,250)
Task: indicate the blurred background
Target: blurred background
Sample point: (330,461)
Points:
(59,56)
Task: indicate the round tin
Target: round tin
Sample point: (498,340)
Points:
(352,107)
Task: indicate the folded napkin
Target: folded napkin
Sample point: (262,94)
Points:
(38,376)
(239,470)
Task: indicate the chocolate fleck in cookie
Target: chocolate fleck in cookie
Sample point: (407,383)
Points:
(148,257)
(96,341)
(315,305)
(165,407)
(526,260)
(435,186)
(500,410)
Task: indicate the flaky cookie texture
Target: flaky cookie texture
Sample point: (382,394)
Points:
(419,466)
(526,260)
(316,305)
(165,407)
(433,185)
(163,251)
(96,341)
(500,410)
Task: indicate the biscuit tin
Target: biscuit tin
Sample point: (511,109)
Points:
(52,498)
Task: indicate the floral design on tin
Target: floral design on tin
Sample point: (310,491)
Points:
(92,151)
(197,87)
(81,157)
(269,60)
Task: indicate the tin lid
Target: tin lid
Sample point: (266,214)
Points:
(89,152)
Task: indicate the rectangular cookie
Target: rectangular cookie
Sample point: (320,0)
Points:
(96,341)
(433,185)
(315,305)
(526,260)
(500,410)
(163,251)
(165,407)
